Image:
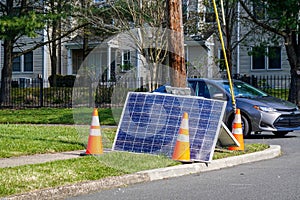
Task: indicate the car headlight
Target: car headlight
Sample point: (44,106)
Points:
(265,109)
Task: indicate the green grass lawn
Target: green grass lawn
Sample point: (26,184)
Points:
(32,177)
(55,116)
(15,180)
(17,138)
(22,139)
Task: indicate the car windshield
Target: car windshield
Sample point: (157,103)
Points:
(243,90)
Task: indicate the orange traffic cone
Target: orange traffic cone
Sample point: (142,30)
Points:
(237,131)
(182,147)
(94,146)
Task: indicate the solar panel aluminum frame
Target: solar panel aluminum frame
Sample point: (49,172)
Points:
(150,123)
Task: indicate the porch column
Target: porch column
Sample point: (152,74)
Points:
(69,62)
(138,69)
(108,62)
(210,60)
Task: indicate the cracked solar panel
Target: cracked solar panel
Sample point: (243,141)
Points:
(150,123)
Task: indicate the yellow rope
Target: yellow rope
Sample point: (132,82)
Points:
(225,56)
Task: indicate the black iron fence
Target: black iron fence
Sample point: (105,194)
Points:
(26,93)
(36,93)
(277,86)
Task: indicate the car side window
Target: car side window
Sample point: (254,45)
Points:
(202,90)
(215,92)
(193,86)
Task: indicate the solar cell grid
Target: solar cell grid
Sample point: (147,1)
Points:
(150,123)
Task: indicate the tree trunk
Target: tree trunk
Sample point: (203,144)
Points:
(53,53)
(293,53)
(176,44)
(54,63)
(6,76)
(293,92)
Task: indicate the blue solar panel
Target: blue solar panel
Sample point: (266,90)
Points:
(150,123)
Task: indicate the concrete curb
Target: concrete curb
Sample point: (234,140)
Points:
(144,176)
(180,170)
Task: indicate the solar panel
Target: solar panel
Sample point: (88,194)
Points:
(150,123)
(226,138)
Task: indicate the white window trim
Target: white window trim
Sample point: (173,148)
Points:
(220,52)
(266,59)
(22,65)
(125,51)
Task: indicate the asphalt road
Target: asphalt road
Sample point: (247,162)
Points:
(276,179)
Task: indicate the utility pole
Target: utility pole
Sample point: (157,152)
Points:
(176,43)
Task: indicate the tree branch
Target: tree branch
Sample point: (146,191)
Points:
(49,41)
(260,23)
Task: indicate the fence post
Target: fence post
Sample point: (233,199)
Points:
(41,91)
(254,81)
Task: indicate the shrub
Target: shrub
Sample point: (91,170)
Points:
(62,81)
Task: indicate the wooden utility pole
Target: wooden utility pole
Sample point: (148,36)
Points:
(176,43)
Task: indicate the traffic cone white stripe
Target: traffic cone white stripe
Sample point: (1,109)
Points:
(238,131)
(237,118)
(183,138)
(95,121)
(184,124)
(95,131)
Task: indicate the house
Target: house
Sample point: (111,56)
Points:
(30,66)
(248,58)
(120,54)
(112,59)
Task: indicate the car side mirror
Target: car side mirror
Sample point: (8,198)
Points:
(219,96)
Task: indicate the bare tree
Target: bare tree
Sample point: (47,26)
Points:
(148,20)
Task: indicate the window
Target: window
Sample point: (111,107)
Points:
(262,11)
(207,90)
(126,58)
(126,64)
(258,58)
(77,59)
(185,10)
(215,93)
(221,60)
(23,63)
(28,62)
(259,10)
(210,16)
(17,64)
(274,57)
(266,58)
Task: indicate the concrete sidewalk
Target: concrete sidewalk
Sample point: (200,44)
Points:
(121,181)
(38,158)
